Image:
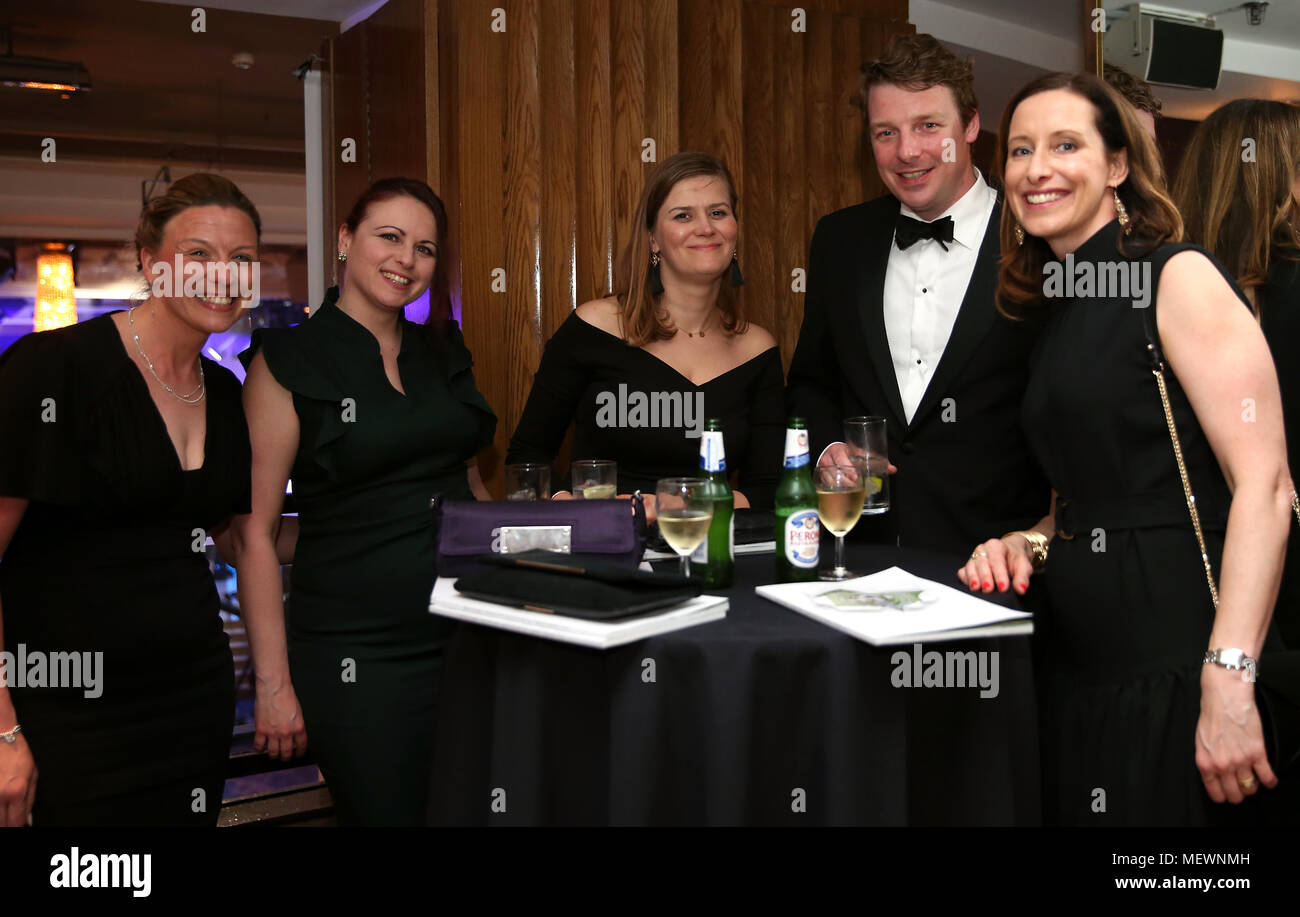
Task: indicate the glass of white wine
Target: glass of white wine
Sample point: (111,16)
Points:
(685,512)
(840,492)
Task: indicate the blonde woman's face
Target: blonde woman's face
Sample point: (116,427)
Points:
(194,274)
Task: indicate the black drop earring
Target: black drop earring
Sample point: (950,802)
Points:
(737,278)
(656,282)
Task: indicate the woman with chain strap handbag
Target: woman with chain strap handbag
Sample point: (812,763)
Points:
(1146,715)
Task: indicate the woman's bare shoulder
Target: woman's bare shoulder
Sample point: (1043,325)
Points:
(755,340)
(605,314)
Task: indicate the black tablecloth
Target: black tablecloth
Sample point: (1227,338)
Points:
(747,721)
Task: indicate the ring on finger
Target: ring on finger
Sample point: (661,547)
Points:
(976,554)
(1247,782)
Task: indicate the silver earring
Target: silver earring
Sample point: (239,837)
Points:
(343,256)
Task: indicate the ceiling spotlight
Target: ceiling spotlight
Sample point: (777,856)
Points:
(243,60)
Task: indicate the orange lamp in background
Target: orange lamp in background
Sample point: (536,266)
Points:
(56,305)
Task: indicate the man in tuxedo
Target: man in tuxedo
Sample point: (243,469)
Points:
(900,320)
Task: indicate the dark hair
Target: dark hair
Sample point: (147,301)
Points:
(1244,212)
(1135,91)
(1152,216)
(440,286)
(916,63)
(642,321)
(198,189)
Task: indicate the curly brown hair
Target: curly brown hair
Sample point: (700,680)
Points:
(1136,91)
(916,63)
(1153,218)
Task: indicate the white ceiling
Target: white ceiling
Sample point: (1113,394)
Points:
(348,12)
(1012,41)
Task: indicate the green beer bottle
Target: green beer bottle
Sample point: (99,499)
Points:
(717,554)
(798,528)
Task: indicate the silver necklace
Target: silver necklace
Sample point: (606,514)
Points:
(193,397)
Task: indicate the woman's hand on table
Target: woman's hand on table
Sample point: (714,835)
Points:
(1230,752)
(280,727)
(999,562)
(17,783)
(650,513)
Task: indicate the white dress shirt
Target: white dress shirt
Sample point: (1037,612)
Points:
(924,289)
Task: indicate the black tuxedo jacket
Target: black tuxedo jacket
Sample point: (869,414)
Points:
(965,473)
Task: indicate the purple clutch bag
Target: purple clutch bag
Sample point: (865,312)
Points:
(613,530)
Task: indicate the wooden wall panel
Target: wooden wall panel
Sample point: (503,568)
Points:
(539,138)
(594,167)
(482,192)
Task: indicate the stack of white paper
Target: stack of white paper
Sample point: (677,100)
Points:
(446,601)
(893,606)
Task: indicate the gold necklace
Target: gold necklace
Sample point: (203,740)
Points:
(188,398)
(700,332)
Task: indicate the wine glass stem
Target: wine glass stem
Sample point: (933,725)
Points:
(686,565)
(839,552)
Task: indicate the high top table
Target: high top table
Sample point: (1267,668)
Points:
(766,717)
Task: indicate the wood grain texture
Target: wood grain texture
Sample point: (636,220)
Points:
(520,328)
(594,184)
(482,84)
(558,148)
(396,83)
(627,64)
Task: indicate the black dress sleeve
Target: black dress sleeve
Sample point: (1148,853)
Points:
(557,387)
(39,421)
(762,462)
(813,390)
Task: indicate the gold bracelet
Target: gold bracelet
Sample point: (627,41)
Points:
(1037,546)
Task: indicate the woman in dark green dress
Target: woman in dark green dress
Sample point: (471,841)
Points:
(371,416)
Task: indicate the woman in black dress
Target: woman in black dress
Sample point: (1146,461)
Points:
(1247,214)
(638,372)
(124,448)
(1138,726)
(372,416)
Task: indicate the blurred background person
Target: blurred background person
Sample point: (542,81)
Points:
(1246,211)
(1138,94)
(372,416)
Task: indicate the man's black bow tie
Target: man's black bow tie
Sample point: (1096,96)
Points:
(907,231)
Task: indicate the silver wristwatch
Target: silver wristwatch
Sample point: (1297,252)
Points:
(1233,659)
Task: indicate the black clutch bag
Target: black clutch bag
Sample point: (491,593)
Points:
(577,587)
(609,530)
